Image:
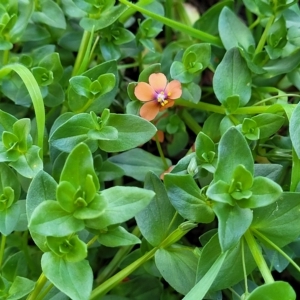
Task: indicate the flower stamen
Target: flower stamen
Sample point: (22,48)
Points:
(161,98)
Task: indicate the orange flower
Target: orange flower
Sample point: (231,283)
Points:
(158,95)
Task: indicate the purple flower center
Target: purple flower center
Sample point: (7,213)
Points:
(162,98)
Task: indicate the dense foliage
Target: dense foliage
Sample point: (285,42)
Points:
(147,158)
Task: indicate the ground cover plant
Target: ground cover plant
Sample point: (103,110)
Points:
(149,150)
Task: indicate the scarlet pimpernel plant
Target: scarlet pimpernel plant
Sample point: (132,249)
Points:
(149,150)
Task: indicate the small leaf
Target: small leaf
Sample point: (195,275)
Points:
(228,23)
(67,276)
(117,237)
(232,77)
(175,261)
(233,223)
(278,290)
(50,219)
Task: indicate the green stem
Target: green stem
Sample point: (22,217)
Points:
(198,34)
(82,52)
(275,247)
(263,38)
(114,263)
(201,106)
(106,286)
(2,248)
(258,257)
(244,265)
(190,121)
(38,287)
(161,153)
(45,291)
(92,241)
(295,177)
(169,15)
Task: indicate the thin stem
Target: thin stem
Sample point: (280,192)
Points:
(106,286)
(169,15)
(190,121)
(92,241)
(258,257)
(2,247)
(82,52)
(45,291)
(275,97)
(263,38)
(38,287)
(5,57)
(295,176)
(198,34)
(201,106)
(161,153)
(111,268)
(244,265)
(275,247)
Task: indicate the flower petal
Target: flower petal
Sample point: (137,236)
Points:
(173,89)
(158,81)
(149,110)
(169,104)
(144,92)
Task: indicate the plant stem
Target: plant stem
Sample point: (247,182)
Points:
(198,34)
(244,265)
(2,247)
(106,286)
(263,38)
(190,121)
(161,153)
(275,247)
(295,176)
(168,29)
(82,52)
(114,263)
(258,257)
(38,287)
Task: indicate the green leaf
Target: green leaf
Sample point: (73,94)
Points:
(233,223)
(9,179)
(283,65)
(15,265)
(68,276)
(137,162)
(186,197)
(219,191)
(232,77)
(28,164)
(108,17)
(42,188)
(230,36)
(295,129)
(132,132)
(117,237)
(9,219)
(175,261)
(268,124)
(72,249)
(236,257)
(20,288)
(79,165)
(50,14)
(264,192)
(72,132)
(280,221)
(155,220)
(123,203)
(50,219)
(201,288)
(233,150)
(278,290)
